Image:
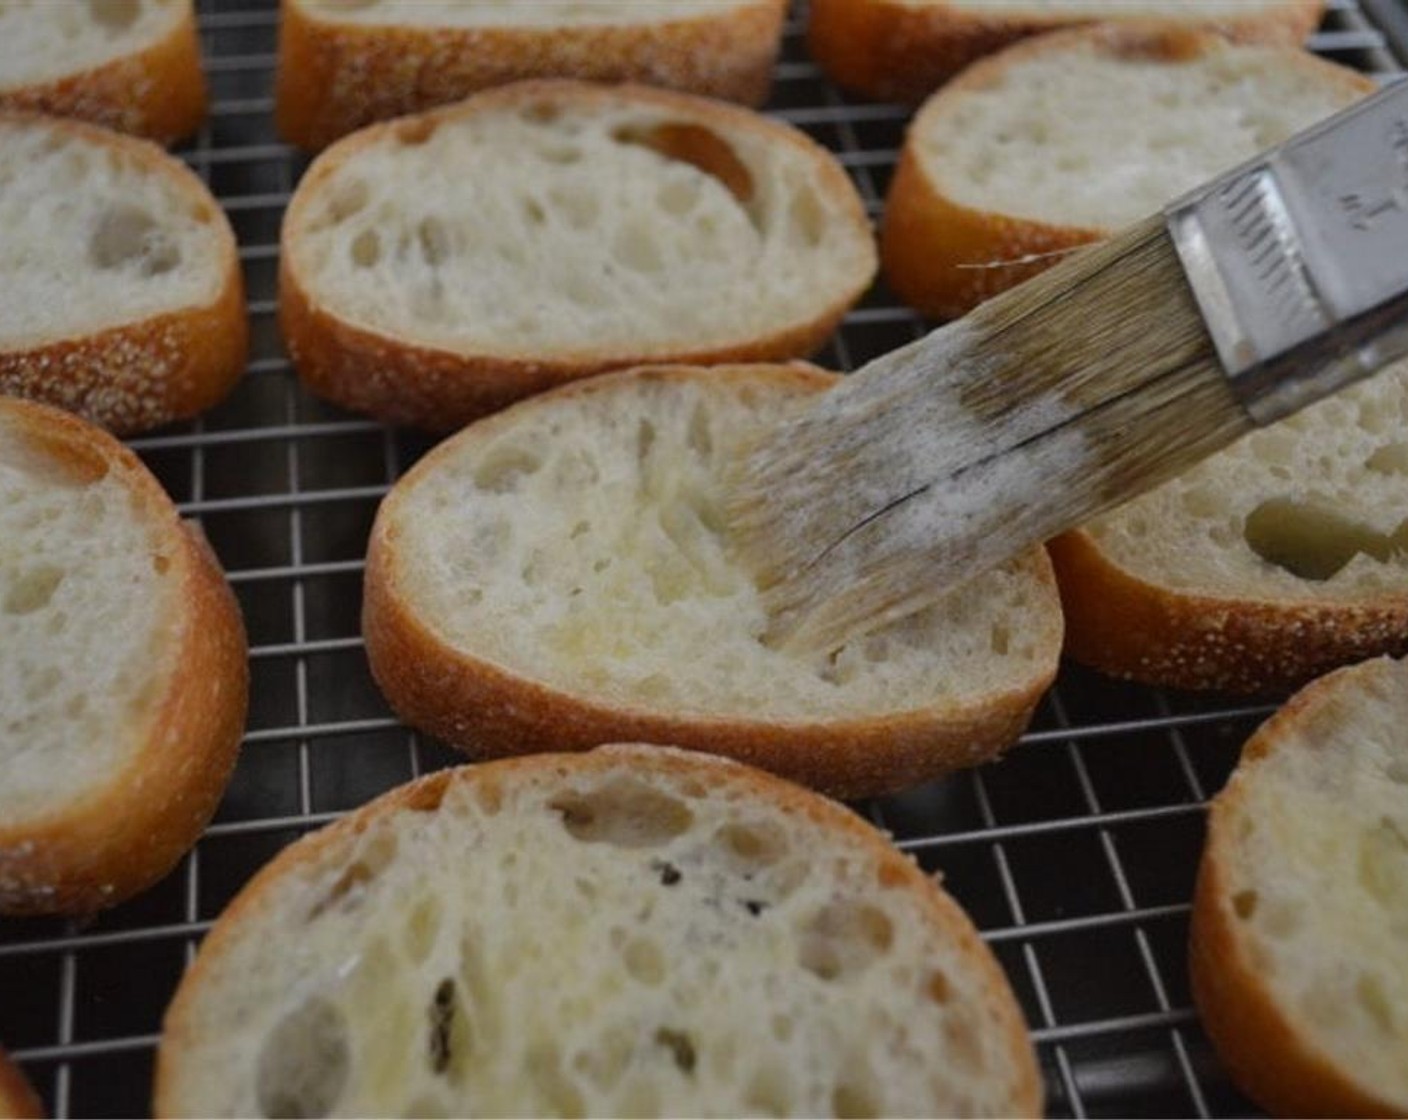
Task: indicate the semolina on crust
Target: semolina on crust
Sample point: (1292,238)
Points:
(128,832)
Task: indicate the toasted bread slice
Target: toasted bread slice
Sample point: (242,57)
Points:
(123,298)
(132,65)
(903,50)
(1301,911)
(1267,564)
(122,670)
(441,266)
(344,66)
(1067,138)
(18,1101)
(630,932)
(559,570)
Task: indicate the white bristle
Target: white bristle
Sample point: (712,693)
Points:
(1051,403)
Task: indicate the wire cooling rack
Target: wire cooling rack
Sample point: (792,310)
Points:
(1075,856)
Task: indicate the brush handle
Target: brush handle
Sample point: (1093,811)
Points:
(1298,259)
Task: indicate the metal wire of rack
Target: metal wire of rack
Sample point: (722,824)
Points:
(1075,856)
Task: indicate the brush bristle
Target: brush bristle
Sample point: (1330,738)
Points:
(1061,398)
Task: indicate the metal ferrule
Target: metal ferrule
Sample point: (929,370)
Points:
(1299,259)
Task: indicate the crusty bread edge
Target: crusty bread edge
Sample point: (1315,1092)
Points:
(943,257)
(335,77)
(1268,1056)
(158,92)
(1129,627)
(139,375)
(18,1099)
(132,829)
(402,381)
(889,51)
(488,709)
(893,870)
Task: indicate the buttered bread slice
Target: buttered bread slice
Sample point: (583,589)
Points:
(1301,912)
(343,66)
(438,267)
(122,300)
(559,572)
(630,932)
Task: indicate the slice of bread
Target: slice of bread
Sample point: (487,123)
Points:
(123,298)
(630,932)
(1267,564)
(132,65)
(559,572)
(1067,138)
(343,66)
(1300,919)
(441,266)
(18,1101)
(903,50)
(122,670)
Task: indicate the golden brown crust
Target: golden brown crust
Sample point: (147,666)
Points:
(334,77)
(1260,1042)
(127,833)
(892,869)
(140,375)
(944,258)
(1131,628)
(490,710)
(18,1100)
(891,51)
(158,92)
(401,381)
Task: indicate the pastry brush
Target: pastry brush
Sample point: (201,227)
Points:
(1264,290)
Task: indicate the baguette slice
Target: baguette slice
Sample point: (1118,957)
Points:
(132,65)
(1265,565)
(343,66)
(903,50)
(559,571)
(123,298)
(439,267)
(1067,138)
(122,670)
(1301,911)
(630,932)
(18,1101)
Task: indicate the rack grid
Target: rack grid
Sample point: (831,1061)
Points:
(1075,855)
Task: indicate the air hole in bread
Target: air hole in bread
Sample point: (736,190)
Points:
(533,210)
(645,439)
(578,204)
(636,248)
(680,1047)
(1000,639)
(938,987)
(304,1063)
(540,112)
(449,1042)
(808,217)
(415,131)
(752,846)
(644,961)
(850,1100)
(503,468)
(32,590)
(964,1045)
(1383,860)
(624,812)
(434,241)
(544,1069)
(700,147)
(843,938)
(349,198)
(422,928)
(1313,539)
(161,564)
(769,1092)
(1390,459)
(366,248)
(678,196)
(1244,904)
(114,15)
(562,154)
(126,235)
(374,853)
(1202,502)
